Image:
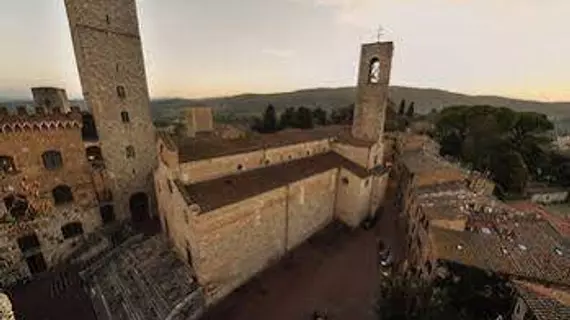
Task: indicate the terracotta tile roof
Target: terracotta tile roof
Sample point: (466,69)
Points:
(562,225)
(531,253)
(449,187)
(144,279)
(191,149)
(544,302)
(418,161)
(213,194)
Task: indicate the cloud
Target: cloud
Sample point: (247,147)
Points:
(279,53)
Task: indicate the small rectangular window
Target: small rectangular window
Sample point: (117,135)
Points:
(130,150)
(121,92)
(125,117)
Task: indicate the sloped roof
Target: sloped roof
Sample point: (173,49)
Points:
(211,146)
(530,253)
(545,303)
(144,279)
(216,193)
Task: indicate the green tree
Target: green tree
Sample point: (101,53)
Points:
(269,120)
(402,109)
(511,145)
(343,115)
(304,118)
(288,118)
(319,117)
(410,113)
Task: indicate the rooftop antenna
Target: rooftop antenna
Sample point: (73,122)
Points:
(379,33)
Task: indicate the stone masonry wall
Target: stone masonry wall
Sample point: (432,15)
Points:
(359,155)
(199,119)
(310,206)
(26,148)
(201,170)
(353,198)
(207,169)
(372,98)
(233,243)
(51,98)
(110,61)
(378,192)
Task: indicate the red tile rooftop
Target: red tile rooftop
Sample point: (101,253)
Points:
(216,193)
(532,252)
(546,303)
(205,147)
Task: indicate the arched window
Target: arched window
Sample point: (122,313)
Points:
(121,92)
(130,152)
(374,73)
(7,164)
(125,117)
(344,180)
(62,194)
(52,159)
(240,167)
(72,230)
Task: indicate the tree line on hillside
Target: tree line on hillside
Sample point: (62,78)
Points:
(301,118)
(306,118)
(511,146)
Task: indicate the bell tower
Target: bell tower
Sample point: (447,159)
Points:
(109,56)
(372,90)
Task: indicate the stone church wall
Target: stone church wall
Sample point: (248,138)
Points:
(296,151)
(207,169)
(235,242)
(231,244)
(310,206)
(353,198)
(359,155)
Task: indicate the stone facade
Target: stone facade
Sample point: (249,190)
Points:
(51,98)
(372,90)
(110,61)
(232,208)
(47,191)
(199,119)
(207,169)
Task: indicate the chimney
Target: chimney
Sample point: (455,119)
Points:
(56,110)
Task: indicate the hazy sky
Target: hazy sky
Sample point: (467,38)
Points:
(196,48)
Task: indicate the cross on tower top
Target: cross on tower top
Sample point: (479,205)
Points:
(379,33)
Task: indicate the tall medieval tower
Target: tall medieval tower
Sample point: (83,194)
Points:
(110,61)
(372,90)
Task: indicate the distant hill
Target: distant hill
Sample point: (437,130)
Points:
(332,98)
(165,110)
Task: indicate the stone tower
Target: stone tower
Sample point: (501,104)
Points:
(110,61)
(51,98)
(372,90)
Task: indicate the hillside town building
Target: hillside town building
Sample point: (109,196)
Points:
(232,207)
(83,188)
(455,220)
